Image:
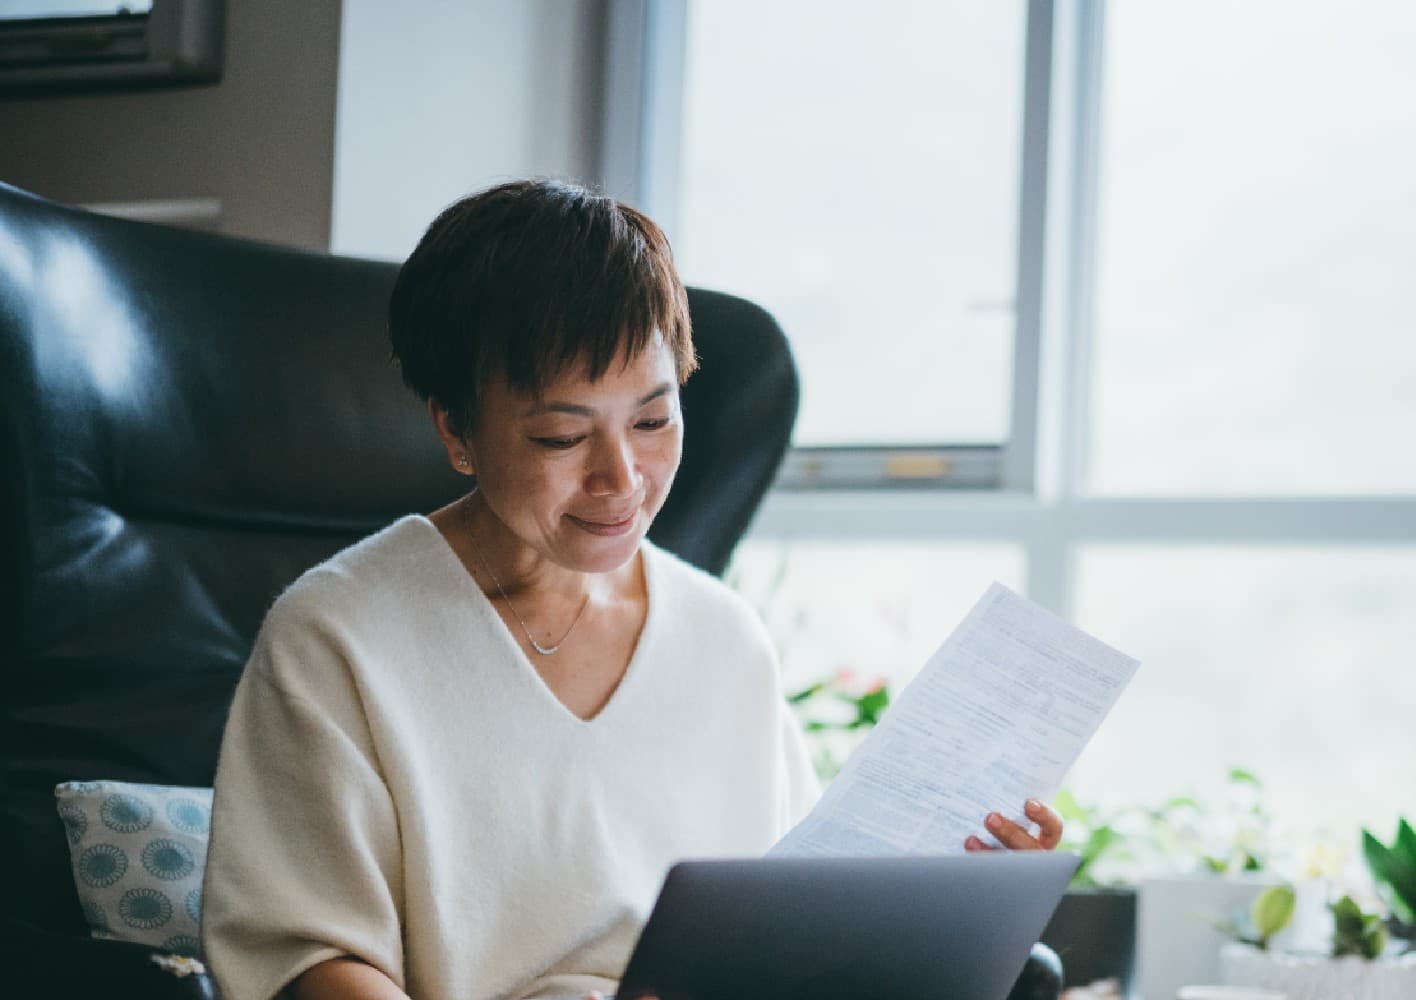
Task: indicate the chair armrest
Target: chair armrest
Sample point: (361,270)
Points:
(43,964)
(1041,978)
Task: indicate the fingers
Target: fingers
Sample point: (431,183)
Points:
(1048,821)
(1018,838)
(1010,834)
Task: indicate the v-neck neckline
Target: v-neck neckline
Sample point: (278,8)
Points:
(525,667)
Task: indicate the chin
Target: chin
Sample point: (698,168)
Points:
(608,560)
(593,553)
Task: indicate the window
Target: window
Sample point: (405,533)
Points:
(895,594)
(1255,308)
(1292,660)
(1212,404)
(856,171)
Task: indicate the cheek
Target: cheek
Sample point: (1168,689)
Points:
(522,482)
(664,459)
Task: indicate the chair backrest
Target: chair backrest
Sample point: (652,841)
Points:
(187,423)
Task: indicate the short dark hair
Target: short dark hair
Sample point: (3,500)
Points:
(524,280)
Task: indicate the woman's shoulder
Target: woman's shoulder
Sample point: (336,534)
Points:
(672,573)
(374,565)
(372,584)
(364,597)
(698,599)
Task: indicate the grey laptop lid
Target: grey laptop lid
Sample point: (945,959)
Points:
(846,928)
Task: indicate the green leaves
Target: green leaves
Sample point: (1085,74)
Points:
(1271,912)
(1394,870)
(1405,839)
(1223,833)
(868,707)
(1087,832)
(838,713)
(806,693)
(1098,842)
(1070,809)
(1355,932)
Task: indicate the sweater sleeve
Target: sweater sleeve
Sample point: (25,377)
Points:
(799,782)
(304,862)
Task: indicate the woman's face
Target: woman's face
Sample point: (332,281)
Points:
(579,475)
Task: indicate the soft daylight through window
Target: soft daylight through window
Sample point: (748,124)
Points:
(1256,317)
(868,196)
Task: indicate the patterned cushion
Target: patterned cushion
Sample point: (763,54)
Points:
(138,853)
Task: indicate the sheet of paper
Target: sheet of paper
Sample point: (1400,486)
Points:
(998,715)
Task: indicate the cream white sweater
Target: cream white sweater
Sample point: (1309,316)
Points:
(397,783)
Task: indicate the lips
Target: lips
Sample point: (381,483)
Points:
(606,524)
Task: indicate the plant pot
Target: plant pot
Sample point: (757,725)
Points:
(1177,943)
(1316,977)
(1093,932)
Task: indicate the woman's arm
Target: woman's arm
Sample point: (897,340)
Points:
(304,858)
(344,978)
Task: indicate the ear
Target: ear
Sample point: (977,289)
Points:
(459,455)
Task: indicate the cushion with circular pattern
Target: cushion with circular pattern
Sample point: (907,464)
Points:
(138,852)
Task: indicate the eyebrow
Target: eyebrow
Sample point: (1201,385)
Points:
(585,411)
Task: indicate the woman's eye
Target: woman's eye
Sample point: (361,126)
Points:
(559,444)
(653,425)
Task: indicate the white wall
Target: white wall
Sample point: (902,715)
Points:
(443,97)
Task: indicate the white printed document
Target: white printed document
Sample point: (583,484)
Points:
(997,716)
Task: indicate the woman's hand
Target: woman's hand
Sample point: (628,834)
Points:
(1017,838)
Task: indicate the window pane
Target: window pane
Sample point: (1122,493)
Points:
(1256,317)
(854,168)
(875,609)
(1293,663)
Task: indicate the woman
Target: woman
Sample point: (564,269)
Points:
(466,749)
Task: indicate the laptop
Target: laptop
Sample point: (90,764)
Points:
(846,928)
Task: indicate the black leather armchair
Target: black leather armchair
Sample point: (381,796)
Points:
(188,422)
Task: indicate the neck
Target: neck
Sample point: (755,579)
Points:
(523,573)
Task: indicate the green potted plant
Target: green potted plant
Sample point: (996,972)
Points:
(1361,960)
(1206,855)
(1393,870)
(1269,914)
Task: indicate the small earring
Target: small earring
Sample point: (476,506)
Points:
(462,460)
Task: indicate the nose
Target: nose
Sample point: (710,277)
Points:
(614,469)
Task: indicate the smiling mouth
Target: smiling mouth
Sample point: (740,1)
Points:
(609,527)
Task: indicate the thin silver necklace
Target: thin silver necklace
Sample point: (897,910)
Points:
(543,650)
